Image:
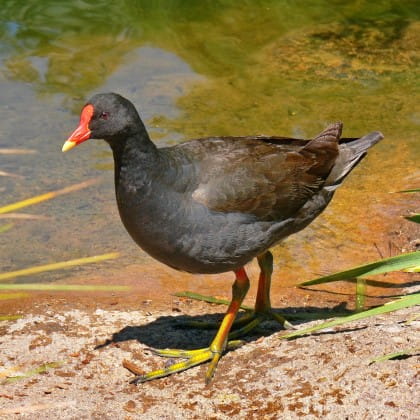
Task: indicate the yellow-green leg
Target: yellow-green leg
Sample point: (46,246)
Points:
(218,345)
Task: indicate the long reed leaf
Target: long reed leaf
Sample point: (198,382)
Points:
(4,151)
(390,356)
(7,296)
(47,196)
(12,175)
(65,287)
(9,317)
(404,302)
(414,190)
(24,216)
(415,217)
(400,262)
(56,266)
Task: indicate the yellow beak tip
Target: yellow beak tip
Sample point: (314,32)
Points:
(68,145)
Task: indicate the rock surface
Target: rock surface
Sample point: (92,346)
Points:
(325,375)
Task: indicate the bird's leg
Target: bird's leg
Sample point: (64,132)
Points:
(218,345)
(262,303)
(262,310)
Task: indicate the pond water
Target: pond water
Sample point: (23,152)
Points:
(197,69)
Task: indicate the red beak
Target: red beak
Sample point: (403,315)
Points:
(82,132)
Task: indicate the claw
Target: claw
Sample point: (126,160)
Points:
(199,357)
(212,367)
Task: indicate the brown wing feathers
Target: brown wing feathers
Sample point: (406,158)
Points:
(268,181)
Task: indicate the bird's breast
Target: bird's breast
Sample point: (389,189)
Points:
(184,234)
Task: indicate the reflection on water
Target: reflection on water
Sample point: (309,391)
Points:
(207,68)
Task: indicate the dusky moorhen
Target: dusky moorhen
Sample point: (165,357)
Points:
(211,205)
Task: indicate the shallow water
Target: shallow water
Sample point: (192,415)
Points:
(197,69)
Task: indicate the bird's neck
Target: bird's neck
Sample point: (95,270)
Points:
(134,157)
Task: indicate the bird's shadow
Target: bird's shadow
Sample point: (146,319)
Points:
(174,331)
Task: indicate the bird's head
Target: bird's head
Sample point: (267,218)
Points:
(107,116)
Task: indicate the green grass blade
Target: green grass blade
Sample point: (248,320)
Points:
(415,217)
(415,190)
(400,262)
(390,356)
(394,305)
(65,287)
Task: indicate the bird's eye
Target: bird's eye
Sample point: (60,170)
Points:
(104,116)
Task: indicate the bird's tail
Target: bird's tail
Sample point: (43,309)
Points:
(351,152)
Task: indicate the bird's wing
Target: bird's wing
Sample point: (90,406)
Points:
(267,178)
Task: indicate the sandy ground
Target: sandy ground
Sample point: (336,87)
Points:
(326,375)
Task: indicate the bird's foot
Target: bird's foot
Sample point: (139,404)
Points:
(193,358)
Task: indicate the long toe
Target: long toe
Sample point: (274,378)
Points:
(197,357)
